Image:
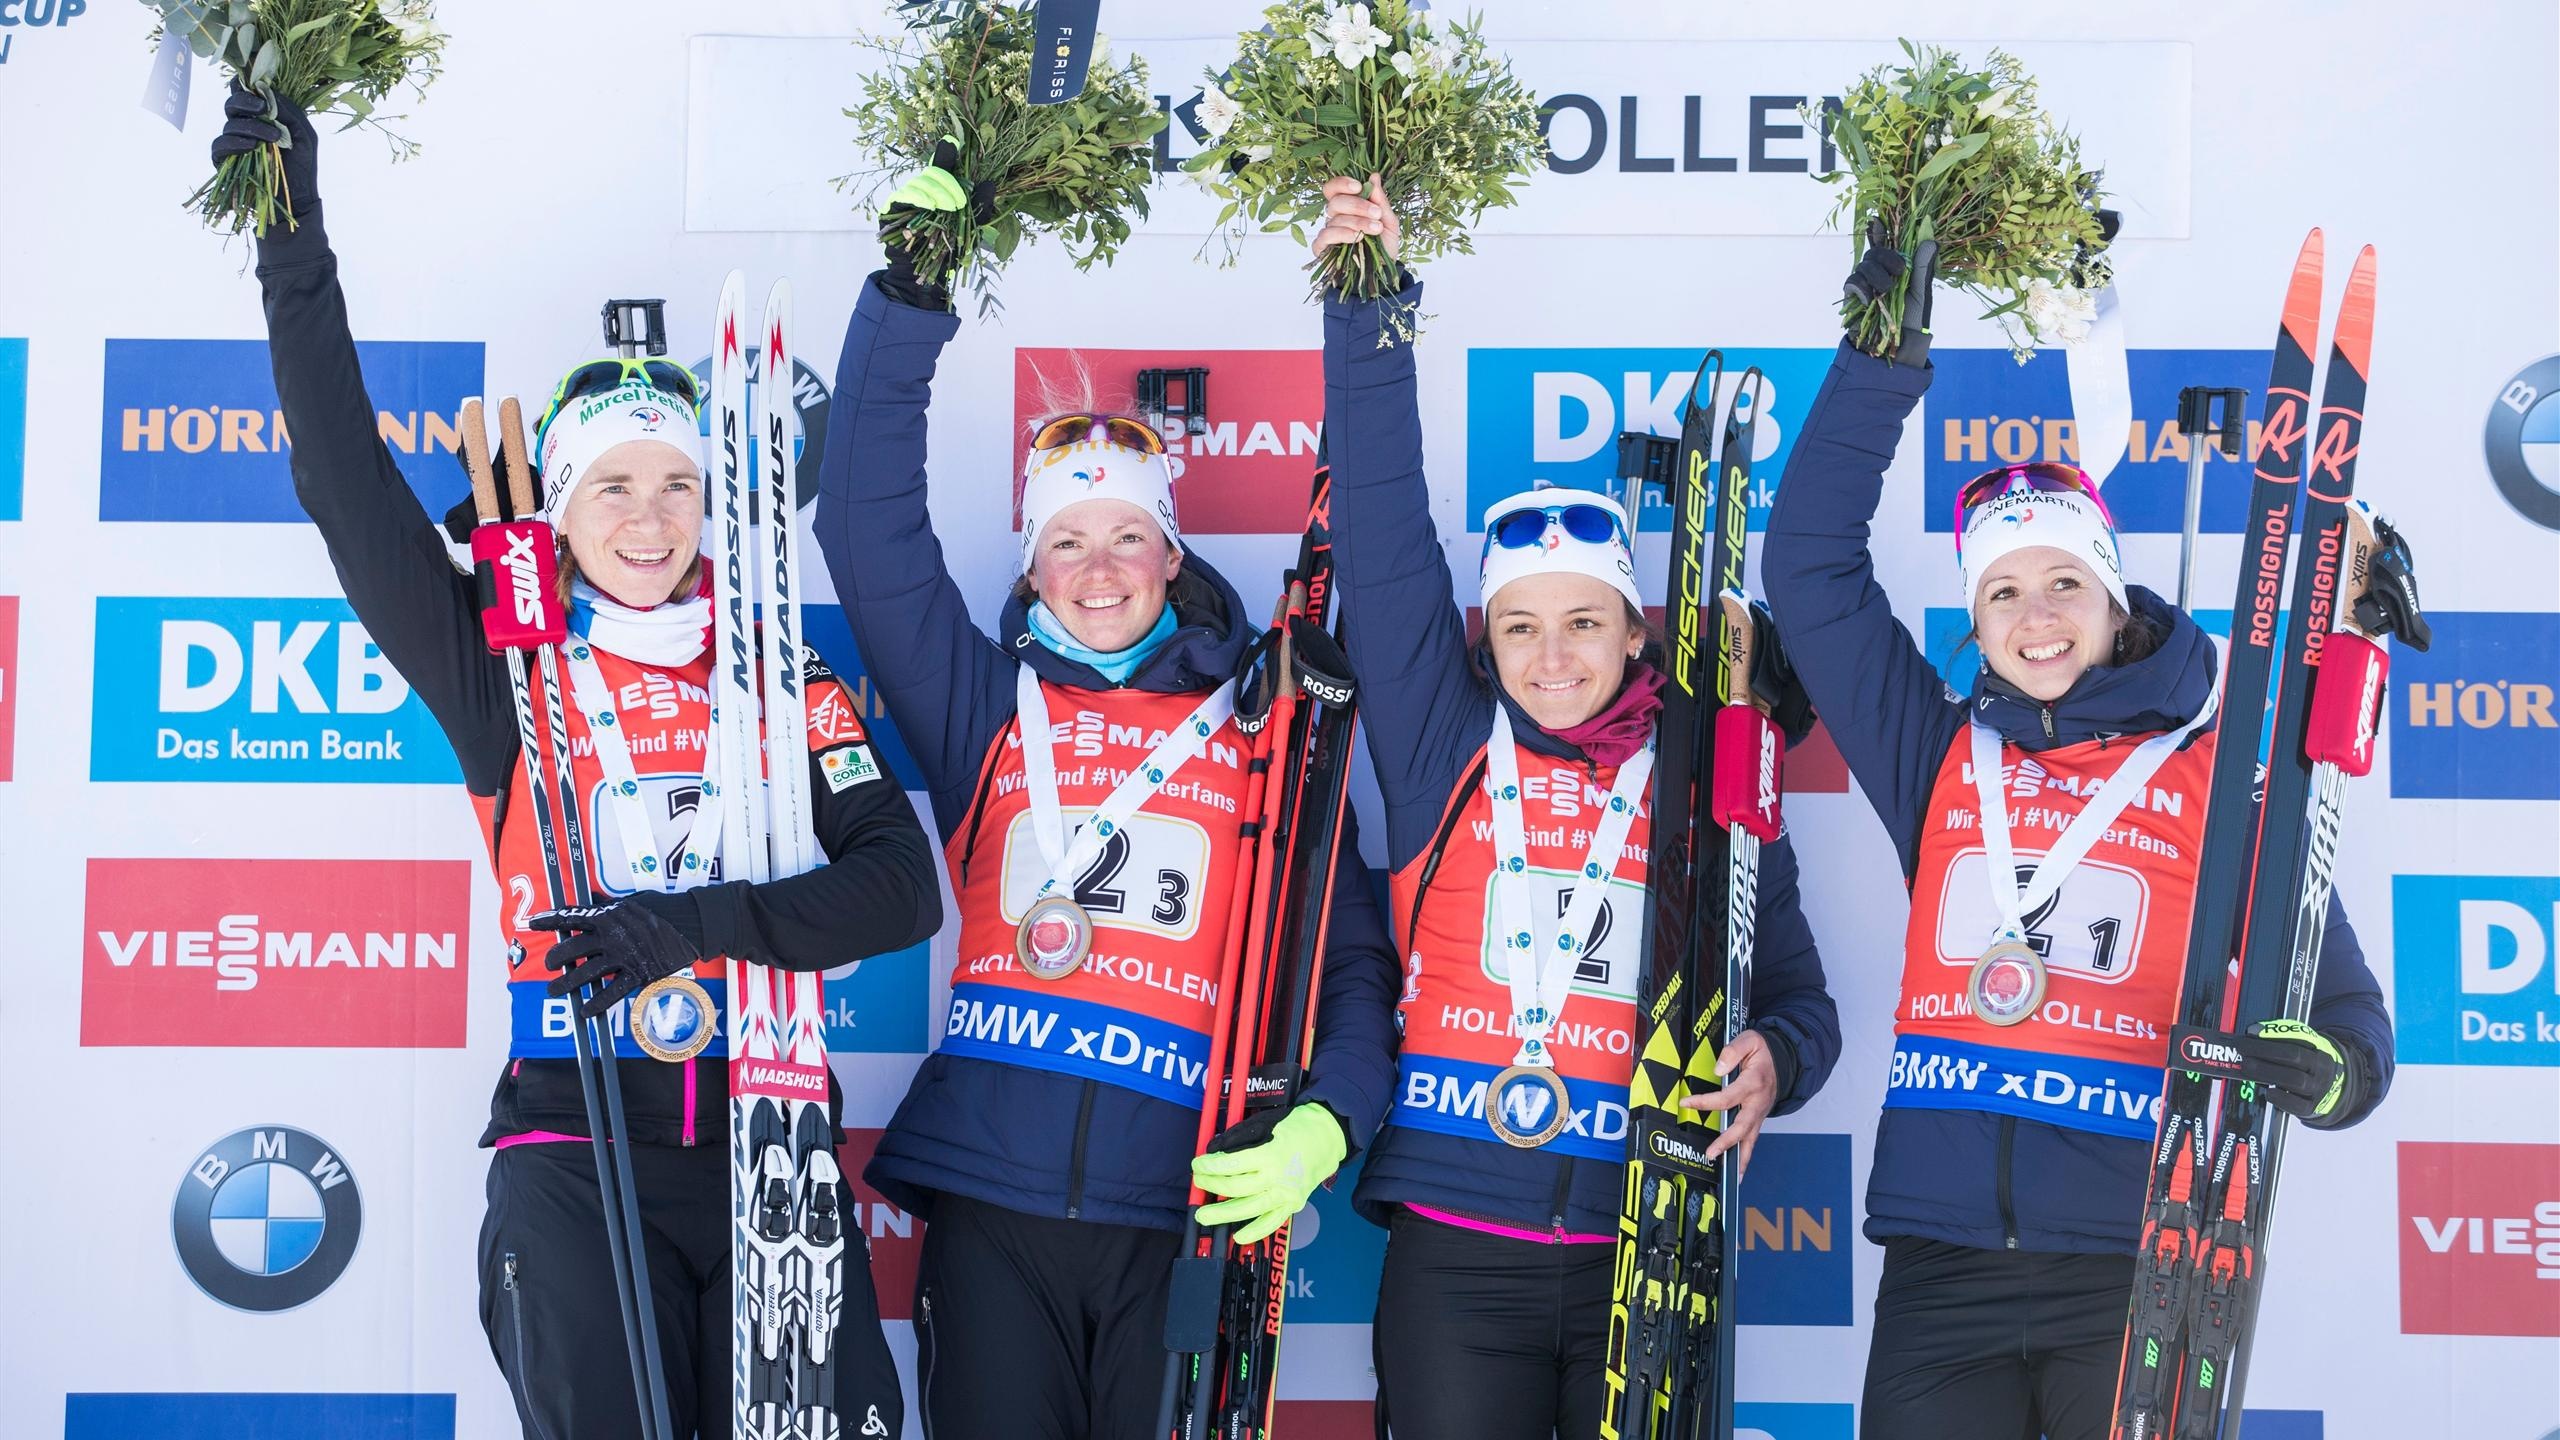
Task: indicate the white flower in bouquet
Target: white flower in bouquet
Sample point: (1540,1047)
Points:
(1353,37)
(1403,62)
(1998,105)
(1217,112)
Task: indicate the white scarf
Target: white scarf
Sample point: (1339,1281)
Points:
(671,635)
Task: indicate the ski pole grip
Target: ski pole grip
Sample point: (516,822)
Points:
(517,568)
(2346,702)
(1750,754)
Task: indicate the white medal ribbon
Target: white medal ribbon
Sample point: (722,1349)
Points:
(2077,837)
(1541,985)
(1068,856)
(622,787)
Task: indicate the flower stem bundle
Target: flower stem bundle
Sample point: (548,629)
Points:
(322,56)
(1936,151)
(960,75)
(1325,90)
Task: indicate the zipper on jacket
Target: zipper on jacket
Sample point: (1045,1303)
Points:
(689,1098)
(2046,711)
(515,1323)
(927,1354)
(1075,1166)
(2008,1209)
(1562,1201)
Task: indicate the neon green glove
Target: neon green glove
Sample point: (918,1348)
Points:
(1266,1181)
(2301,1071)
(931,188)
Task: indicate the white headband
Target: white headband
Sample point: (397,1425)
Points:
(1093,469)
(590,425)
(1558,552)
(2022,518)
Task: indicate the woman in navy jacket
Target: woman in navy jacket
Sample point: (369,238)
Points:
(1046,1140)
(1493,1310)
(2008,1211)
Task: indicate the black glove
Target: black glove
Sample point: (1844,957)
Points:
(1878,271)
(901,279)
(2306,1074)
(617,948)
(255,121)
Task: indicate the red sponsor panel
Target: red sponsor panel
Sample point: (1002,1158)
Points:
(1326,1420)
(2479,1239)
(1248,474)
(8,684)
(363,953)
(897,1238)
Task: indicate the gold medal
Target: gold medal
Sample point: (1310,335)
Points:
(1527,1106)
(1054,937)
(672,1019)
(2007,983)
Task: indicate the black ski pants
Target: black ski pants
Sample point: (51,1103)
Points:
(1484,1337)
(1994,1344)
(554,1322)
(1031,1328)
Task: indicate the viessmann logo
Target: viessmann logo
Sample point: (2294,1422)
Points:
(191,429)
(1249,473)
(361,953)
(2479,1239)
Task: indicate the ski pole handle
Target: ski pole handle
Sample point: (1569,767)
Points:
(475,461)
(519,467)
(515,565)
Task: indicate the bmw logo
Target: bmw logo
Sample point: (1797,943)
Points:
(266,1219)
(809,396)
(2522,442)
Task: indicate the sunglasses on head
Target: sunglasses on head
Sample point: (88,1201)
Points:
(1119,430)
(1520,529)
(2046,476)
(612,373)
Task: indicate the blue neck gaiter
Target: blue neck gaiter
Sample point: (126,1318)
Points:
(1117,665)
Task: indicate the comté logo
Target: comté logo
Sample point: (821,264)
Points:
(897,1238)
(2479,1239)
(358,953)
(1250,473)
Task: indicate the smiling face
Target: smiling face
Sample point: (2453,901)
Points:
(2042,618)
(1560,645)
(1102,567)
(634,524)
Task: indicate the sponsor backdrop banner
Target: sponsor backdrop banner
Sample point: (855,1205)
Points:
(258,981)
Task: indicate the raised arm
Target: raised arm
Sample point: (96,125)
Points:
(389,556)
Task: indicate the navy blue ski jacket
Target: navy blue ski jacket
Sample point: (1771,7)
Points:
(1971,1177)
(1428,709)
(1031,1140)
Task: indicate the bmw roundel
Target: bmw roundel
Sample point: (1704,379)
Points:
(266,1218)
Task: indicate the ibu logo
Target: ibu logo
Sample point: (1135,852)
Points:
(1555,415)
(273,690)
(192,430)
(2476,980)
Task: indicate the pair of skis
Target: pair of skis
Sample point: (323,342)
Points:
(1670,1362)
(515,557)
(1295,705)
(786,1214)
(2266,871)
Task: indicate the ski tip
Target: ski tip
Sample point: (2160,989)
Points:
(2355,313)
(2302,297)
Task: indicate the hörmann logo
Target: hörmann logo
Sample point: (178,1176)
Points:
(192,430)
(358,953)
(2479,1239)
(2478,715)
(254,689)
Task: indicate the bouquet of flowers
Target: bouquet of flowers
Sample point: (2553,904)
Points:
(1325,90)
(960,75)
(1935,151)
(323,56)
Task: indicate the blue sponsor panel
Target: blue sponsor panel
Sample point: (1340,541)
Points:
(1554,415)
(2073,1091)
(1334,1257)
(1766,1421)
(1798,1225)
(539,1022)
(217,1416)
(826,630)
(191,430)
(1985,409)
(1077,1037)
(2283,1424)
(13,427)
(2475,979)
(880,1007)
(253,689)
(1958,660)
(2475,716)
